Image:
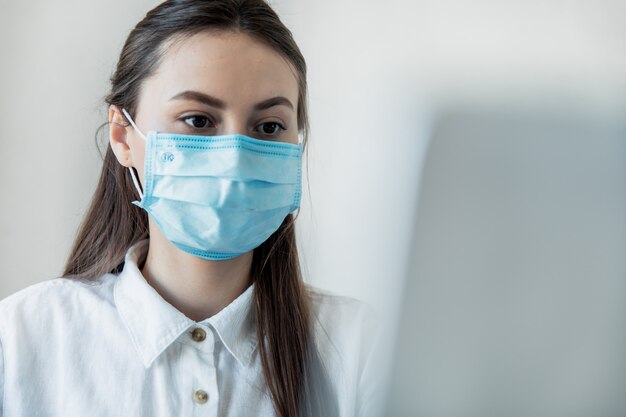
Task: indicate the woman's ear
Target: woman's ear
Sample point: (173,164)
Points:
(117,136)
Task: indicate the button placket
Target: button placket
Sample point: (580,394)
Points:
(204,389)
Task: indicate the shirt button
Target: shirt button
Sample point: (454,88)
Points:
(198,334)
(200,396)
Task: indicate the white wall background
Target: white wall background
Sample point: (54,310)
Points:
(378,73)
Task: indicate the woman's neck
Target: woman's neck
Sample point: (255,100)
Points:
(197,287)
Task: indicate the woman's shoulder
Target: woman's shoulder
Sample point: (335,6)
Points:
(56,296)
(327,303)
(348,334)
(341,319)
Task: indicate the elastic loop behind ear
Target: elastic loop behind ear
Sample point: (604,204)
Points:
(136,183)
(132,122)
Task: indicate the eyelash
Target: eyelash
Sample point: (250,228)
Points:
(280,127)
(198,116)
(208,119)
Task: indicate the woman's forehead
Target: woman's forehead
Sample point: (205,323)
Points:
(230,65)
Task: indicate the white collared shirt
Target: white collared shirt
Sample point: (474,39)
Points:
(115,347)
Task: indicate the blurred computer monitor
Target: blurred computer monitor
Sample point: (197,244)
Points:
(515,304)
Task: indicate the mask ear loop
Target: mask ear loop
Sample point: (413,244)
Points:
(132,172)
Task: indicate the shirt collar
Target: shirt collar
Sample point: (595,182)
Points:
(154,324)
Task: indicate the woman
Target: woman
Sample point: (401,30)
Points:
(182,294)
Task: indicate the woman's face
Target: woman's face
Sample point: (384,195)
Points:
(212,83)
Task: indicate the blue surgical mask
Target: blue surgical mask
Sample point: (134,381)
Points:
(218,197)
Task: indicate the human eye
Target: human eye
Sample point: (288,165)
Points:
(198,121)
(270,128)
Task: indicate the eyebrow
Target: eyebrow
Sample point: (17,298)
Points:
(199,97)
(217,103)
(274,101)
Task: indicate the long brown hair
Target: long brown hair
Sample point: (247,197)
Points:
(292,368)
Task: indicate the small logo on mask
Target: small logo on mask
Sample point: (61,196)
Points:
(167,157)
